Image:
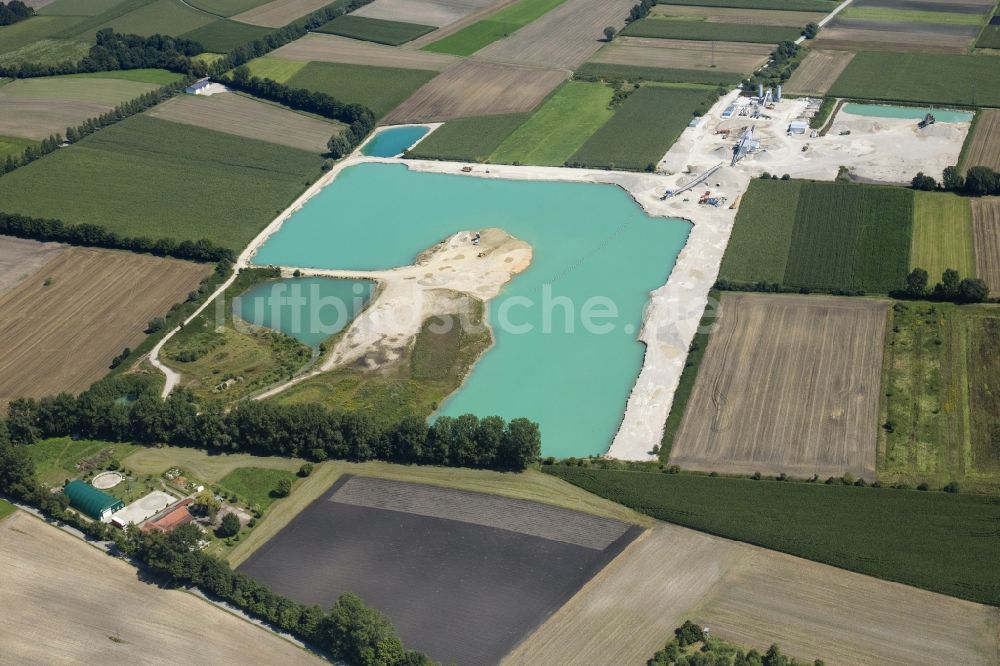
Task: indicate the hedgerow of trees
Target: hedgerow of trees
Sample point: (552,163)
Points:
(979,181)
(14,11)
(92,235)
(784,60)
(263,428)
(715,652)
(351,631)
(952,287)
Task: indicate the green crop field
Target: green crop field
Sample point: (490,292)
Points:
(789,5)
(939,405)
(45,52)
(160,77)
(6,508)
(942,234)
(255,485)
(705,31)
(844,236)
(275,69)
(381,89)
(468,139)
(26,34)
(643,128)
(758,246)
(937,541)
(559,127)
(13,146)
(921,77)
(392,33)
(989,38)
(470,39)
(77,7)
(165,17)
(911,16)
(226,7)
(223,36)
(150,177)
(56,459)
(608,72)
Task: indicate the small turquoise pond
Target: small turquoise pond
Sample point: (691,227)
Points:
(393,141)
(589,241)
(309,309)
(914,112)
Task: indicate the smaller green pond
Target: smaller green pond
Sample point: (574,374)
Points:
(914,112)
(310,309)
(393,141)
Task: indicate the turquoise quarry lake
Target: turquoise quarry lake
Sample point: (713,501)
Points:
(914,112)
(393,140)
(595,251)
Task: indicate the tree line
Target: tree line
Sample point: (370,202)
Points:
(14,12)
(92,235)
(784,59)
(91,125)
(351,631)
(716,652)
(114,51)
(269,429)
(979,181)
(952,287)
(359,118)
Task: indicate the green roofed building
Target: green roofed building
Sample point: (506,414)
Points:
(91,501)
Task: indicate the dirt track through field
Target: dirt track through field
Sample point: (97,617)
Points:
(986,240)
(471,88)
(818,72)
(240,115)
(755,597)
(62,337)
(279,13)
(332,48)
(19,258)
(65,602)
(423,12)
(984,149)
(564,37)
(684,54)
(788,384)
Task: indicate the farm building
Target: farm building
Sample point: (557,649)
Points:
(143,508)
(174,517)
(198,87)
(89,500)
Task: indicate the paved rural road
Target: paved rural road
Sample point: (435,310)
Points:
(824,21)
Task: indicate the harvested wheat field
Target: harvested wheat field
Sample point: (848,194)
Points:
(423,12)
(240,115)
(279,13)
(684,54)
(755,597)
(20,258)
(68,603)
(36,108)
(863,35)
(788,384)
(986,240)
(737,15)
(984,146)
(566,37)
(63,336)
(318,47)
(818,72)
(471,88)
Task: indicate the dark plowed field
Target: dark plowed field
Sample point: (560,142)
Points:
(921,6)
(475,583)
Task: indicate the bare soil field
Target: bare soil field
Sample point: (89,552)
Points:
(279,13)
(788,384)
(463,22)
(986,240)
(733,15)
(20,258)
(684,54)
(331,48)
(423,12)
(472,88)
(863,35)
(68,603)
(566,37)
(240,115)
(755,597)
(36,108)
(62,337)
(491,576)
(984,146)
(818,72)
